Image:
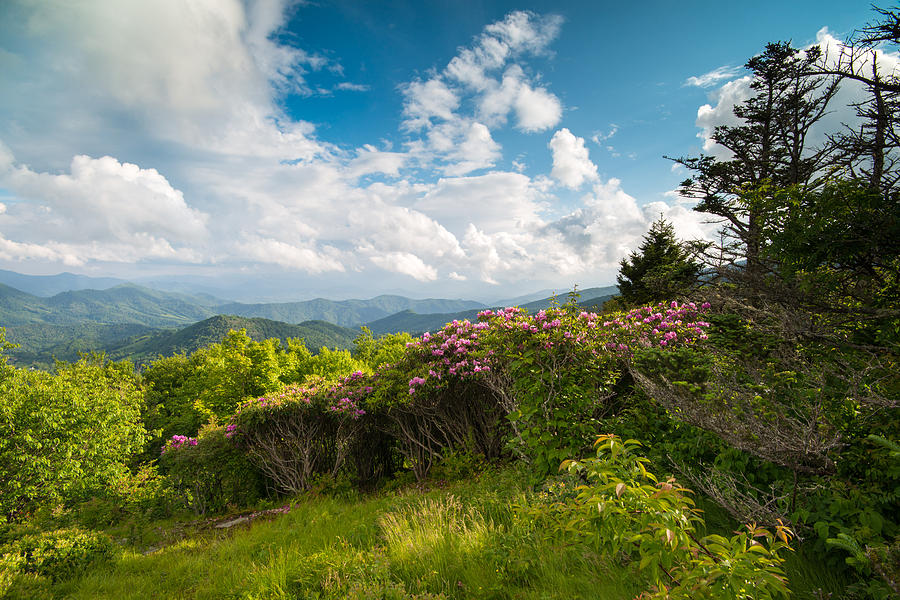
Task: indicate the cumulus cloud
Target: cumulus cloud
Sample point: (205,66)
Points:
(289,255)
(572,165)
(237,183)
(537,109)
(462,147)
(207,76)
(407,264)
(494,202)
(481,88)
(722,113)
(428,100)
(371,160)
(102,209)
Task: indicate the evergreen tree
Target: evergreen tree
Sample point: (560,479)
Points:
(661,269)
(768,147)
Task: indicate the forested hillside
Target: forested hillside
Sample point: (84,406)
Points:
(315,334)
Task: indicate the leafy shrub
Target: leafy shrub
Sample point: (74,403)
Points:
(10,567)
(67,436)
(622,510)
(209,473)
(61,554)
(142,496)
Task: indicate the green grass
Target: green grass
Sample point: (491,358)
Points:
(468,539)
(464,541)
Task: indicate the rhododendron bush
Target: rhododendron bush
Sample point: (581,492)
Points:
(208,473)
(298,433)
(529,386)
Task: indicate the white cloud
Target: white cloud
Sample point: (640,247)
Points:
(713,77)
(464,147)
(101,210)
(206,76)
(572,165)
(288,255)
(407,264)
(428,100)
(537,109)
(352,87)
(599,137)
(371,160)
(526,31)
(709,117)
(259,189)
(458,104)
(494,202)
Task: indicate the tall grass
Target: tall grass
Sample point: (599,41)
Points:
(466,541)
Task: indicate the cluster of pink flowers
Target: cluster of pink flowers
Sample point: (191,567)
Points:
(456,350)
(230,430)
(348,407)
(353,391)
(177,442)
(452,351)
(662,325)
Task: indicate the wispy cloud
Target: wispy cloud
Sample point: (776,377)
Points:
(352,87)
(713,77)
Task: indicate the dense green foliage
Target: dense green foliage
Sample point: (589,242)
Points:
(58,555)
(67,436)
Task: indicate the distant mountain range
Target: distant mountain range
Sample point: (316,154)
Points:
(50,285)
(130,321)
(412,322)
(40,345)
(347,313)
(129,303)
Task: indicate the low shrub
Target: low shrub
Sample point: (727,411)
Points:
(58,555)
(209,473)
(622,511)
(299,433)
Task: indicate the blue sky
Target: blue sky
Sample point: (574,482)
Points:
(466,149)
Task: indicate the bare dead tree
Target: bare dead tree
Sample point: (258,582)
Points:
(870,151)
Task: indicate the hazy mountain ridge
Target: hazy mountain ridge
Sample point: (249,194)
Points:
(416,323)
(41,344)
(50,285)
(347,313)
(315,334)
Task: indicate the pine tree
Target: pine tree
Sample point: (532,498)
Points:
(662,269)
(769,148)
